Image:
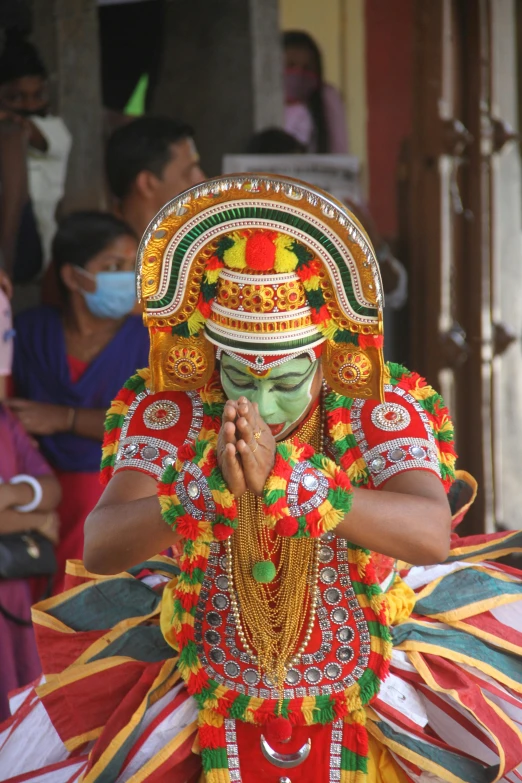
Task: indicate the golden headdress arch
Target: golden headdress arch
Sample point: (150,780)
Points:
(262,267)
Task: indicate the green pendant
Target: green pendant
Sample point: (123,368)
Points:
(264,571)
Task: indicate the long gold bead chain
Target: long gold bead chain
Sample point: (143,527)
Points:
(270,617)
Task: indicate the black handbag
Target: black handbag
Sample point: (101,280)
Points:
(26,554)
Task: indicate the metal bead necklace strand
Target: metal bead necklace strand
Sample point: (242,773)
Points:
(269,617)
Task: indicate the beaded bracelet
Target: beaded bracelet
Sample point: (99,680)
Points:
(193,493)
(306,494)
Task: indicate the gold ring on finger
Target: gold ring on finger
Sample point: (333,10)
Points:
(256,448)
(258,434)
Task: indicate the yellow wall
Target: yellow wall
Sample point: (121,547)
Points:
(339,29)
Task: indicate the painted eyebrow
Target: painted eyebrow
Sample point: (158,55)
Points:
(291,375)
(228,369)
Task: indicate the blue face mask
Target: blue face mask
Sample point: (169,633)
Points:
(115,294)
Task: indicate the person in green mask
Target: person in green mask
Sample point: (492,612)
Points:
(288,476)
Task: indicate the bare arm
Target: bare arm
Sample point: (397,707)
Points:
(12,495)
(409,520)
(46,522)
(126,526)
(41,418)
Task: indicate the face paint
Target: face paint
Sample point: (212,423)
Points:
(283,396)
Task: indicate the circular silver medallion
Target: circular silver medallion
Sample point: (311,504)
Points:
(339,615)
(417,452)
(168,461)
(216,655)
(328,575)
(377,464)
(310,482)
(222,582)
(396,455)
(251,676)
(231,669)
(326,554)
(332,596)
(214,619)
(293,676)
(220,601)
(150,453)
(345,635)
(212,637)
(345,654)
(312,675)
(131,450)
(328,536)
(332,671)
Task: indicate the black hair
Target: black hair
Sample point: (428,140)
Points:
(82,235)
(141,145)
(274,141)
(20,58)
(302,40)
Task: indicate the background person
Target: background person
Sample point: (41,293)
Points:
(314,110)
(148,162)
(18,458)
(34,150)
(70,362)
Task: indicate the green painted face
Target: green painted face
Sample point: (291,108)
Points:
(283,396)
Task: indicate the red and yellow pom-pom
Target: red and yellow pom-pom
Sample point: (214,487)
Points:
(260,251)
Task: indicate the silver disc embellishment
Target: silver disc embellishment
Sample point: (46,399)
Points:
(150,453)
(196,485)
(390,416)
(161,415)
(312,480)
(131,450)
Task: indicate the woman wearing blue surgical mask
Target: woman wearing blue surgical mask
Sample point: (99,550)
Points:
(71,361)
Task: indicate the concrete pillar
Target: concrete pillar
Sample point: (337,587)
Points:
(222,72)
(66,34)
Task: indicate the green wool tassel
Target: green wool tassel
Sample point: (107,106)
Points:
(264,571)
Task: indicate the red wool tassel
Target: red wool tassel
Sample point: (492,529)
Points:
(278,730)
(321,315)
(210,736)
(371,341)
(221,532)
(287,526)
(204,307)
(187,527)
(214,263)
(311,269)
(260,252)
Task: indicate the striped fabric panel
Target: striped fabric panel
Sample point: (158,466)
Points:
(450,766)
(485,547)
(454,645)
(467,592)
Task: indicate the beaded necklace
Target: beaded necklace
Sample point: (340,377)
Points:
(270,618)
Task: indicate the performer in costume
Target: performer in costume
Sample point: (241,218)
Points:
(264,652)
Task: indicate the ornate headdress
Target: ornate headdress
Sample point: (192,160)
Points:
(264,268)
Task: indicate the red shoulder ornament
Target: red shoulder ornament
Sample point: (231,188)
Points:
(410,430)
(143,431)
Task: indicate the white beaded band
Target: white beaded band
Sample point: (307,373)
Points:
(23,478)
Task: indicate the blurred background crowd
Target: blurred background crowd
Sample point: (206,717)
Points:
(110,109)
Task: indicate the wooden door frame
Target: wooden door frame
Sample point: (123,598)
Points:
(452,48)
